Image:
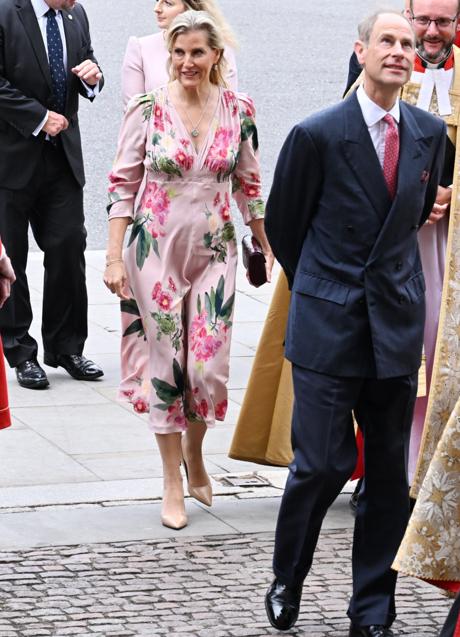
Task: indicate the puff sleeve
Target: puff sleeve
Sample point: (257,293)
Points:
(246,187)
(128,168)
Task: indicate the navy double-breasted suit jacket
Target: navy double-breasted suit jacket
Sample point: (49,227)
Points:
(350,253)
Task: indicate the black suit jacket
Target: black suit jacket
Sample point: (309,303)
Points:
(349,252)
(26,90)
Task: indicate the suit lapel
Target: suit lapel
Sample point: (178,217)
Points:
(413,150)
(71,38)
(411,146)
(29,20)
(360,153)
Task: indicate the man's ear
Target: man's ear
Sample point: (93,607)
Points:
(360,50)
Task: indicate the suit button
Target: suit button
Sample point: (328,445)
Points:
(370,268)
(401,299)
(399,265)
(361,302)
(350,228)
(415,226)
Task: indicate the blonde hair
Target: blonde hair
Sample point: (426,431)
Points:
(211,7)
(199,21)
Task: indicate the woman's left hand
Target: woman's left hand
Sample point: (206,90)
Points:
(258,230)
(269,261)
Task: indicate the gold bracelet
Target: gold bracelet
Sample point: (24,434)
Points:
(112,261)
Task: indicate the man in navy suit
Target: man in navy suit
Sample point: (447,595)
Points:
(352,186)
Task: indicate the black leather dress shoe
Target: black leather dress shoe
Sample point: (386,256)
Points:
(31,375)
(354,497)
(370,631)
(282,605)
(77,366)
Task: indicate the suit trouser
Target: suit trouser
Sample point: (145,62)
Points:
(324,447)
(451,627)
(52,202)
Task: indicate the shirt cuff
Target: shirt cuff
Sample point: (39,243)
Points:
(91,91)
(40,126)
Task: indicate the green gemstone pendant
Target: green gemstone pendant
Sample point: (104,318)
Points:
(195,133)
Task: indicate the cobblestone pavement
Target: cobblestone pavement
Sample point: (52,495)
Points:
(206,587)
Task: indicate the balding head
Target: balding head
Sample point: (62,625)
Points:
(366,27)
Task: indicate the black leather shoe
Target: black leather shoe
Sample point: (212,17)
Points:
(370,631)
(31,375)
(77,366)
(355,496)
(282,605)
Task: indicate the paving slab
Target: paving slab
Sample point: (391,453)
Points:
(60,526)
(39,461)
(81,429)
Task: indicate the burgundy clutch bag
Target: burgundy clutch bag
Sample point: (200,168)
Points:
(254,261)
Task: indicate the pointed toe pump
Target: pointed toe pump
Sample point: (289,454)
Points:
(175,522)
(203,494)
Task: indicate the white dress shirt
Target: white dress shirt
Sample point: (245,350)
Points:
(41,8)
(373,116)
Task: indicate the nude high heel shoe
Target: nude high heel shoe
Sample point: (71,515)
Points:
(173,519)
(176,522)
(203,494)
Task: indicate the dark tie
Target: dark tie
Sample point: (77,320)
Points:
(391,158)
(56,62)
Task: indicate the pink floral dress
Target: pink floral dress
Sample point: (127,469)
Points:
(181,255)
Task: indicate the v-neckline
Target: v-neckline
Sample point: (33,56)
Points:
(198,153)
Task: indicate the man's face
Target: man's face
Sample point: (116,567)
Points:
(434,41)
(389,57)
(58,5)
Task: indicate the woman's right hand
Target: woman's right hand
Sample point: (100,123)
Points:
(116,280)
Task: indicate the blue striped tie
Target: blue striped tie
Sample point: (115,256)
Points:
(56,62)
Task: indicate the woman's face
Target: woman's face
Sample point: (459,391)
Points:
(166,11)
(192,58)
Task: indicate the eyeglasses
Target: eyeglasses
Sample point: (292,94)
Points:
(425,21)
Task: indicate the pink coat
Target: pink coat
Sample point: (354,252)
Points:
(144,66)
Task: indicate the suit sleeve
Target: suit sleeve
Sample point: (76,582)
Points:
(19,111)
(292,200)
(435,174)
(88,55)
(132,72)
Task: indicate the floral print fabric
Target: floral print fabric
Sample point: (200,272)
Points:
(431,546)
(181,255)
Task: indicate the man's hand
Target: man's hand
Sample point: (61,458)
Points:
(88,71)
(7,277)
(441,205)
(55,124)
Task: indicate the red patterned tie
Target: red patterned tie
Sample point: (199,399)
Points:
(390,161)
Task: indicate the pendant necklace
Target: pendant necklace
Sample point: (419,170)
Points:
(195,132)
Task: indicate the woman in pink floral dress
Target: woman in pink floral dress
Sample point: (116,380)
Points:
(193,140)
(144,69)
